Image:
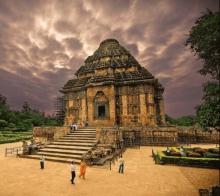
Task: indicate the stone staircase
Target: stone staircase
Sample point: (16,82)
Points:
(69,148)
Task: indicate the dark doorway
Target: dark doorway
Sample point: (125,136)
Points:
(101,111)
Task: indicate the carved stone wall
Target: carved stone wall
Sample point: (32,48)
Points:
(48,134)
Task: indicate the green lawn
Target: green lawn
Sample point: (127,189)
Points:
(12,136)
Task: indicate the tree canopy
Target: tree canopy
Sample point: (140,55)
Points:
(208,113)
(181,121)
(23,120)
(204,39)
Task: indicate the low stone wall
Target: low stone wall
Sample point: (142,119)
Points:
(108,135)
(159,136)
(194,135)
(49,134)
(156,136)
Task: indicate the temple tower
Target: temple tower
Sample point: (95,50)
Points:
(112,88)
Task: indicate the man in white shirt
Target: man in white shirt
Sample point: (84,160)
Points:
(73,172)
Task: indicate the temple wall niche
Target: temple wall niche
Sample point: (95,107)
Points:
(109,92)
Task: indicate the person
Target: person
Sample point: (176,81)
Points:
(86,124)
(121,165)
(42,159)
(182,152)
(82,169)
(30,149)
(168,150)
(73,172)
(74,127)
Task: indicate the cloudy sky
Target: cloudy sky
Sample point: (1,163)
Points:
(43,43)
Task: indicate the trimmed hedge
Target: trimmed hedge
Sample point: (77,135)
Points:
(188,161)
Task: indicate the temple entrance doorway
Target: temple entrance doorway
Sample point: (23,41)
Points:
(101,106)
(101,111)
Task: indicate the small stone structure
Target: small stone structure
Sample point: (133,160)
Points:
(49,134)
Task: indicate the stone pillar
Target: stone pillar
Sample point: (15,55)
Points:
(90,105)
(124,109)
(143,109)
(83,110)
(110,92)
(162,111)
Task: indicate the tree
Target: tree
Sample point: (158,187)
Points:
(181,121)
(2,100)
(208,112)
(204,39)
(26,107)
(4,108)
(3,123)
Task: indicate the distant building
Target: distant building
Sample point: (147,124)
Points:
(112,88)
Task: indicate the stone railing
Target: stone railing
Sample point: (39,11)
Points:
(49,134)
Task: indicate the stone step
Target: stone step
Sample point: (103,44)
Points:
(81,133)
(56,159)
(67,147)
(79,152)
(77,131)
(77,140)
(86,129)
(60,155)
(89,144)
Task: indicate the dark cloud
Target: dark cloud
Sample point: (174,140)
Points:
(73,43)
(43,43)
(64,26)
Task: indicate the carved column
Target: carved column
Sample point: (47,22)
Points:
(124,109)
(143,109)
(162,112)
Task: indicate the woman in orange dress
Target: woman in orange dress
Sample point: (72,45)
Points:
(82,169)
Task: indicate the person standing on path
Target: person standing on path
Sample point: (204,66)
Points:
(82,169)
(121,165)
(42,159)
(73,172)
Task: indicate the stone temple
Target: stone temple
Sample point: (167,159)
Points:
(112,88)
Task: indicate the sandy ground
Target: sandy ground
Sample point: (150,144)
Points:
(22,177)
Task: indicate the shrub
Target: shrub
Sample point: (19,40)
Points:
(188,161)
(214,150)
(193,154)
(211,155)
(3,123)
(177,154)
(200,150)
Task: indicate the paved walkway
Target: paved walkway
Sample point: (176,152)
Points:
(22,177)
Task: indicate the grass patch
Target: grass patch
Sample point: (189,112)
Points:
(12,136)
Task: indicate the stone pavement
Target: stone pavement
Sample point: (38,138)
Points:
(22,177)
